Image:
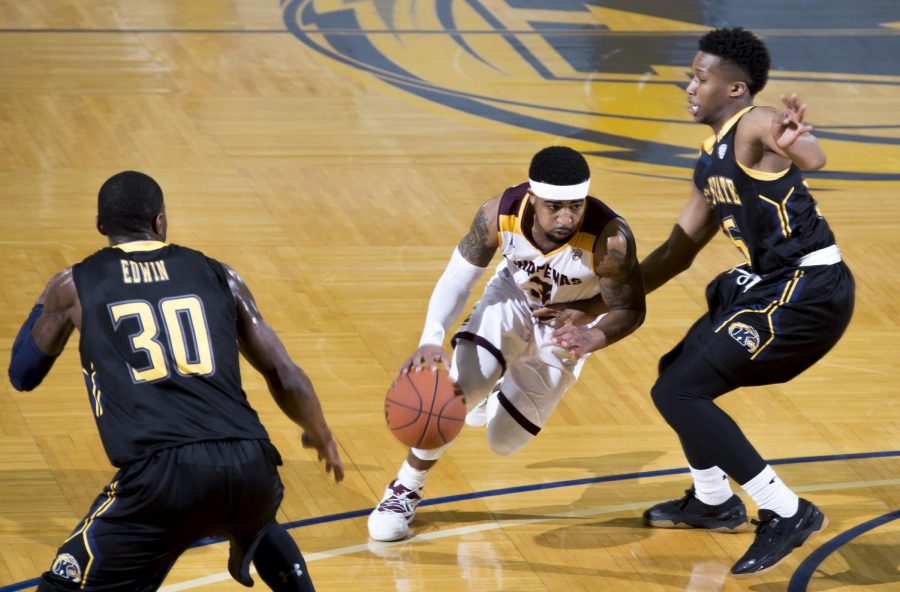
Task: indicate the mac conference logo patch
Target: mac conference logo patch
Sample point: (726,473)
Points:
(605,76)
(745,335)
(723,148)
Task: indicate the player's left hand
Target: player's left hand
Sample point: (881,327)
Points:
(788,126)
(328,453)
(578,340)
(557,315)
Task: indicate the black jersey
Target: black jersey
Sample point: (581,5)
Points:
(159,350)
(771,217)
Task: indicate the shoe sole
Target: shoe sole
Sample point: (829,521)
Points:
(683,525)
(812,533)
(398,538)
(394,540)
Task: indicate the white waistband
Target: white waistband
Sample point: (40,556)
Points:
(827,256)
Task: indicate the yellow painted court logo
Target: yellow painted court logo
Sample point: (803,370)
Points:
(608,78)
(745,335)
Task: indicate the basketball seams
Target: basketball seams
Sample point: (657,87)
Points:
(437,376)
(441,417)
(417,425)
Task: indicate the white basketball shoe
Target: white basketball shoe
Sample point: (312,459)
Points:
(391,518)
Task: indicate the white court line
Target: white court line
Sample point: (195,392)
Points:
(464,530)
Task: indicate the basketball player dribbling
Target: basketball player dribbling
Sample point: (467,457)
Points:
(566,257)
(769,318)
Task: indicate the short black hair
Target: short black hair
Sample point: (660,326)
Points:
(742,49)
(559,165)
(128,202)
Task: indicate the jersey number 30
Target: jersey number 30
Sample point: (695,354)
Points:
(182,316)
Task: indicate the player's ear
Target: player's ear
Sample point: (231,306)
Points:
(99,226)
(738,88)
(160,224)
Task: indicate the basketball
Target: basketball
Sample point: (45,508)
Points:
(422,411)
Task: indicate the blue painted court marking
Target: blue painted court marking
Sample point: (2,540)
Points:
(801,577)
(836,542)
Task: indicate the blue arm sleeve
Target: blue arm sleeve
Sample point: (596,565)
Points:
(28,365)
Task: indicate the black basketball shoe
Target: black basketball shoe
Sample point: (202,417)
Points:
(777,536)
(689,512)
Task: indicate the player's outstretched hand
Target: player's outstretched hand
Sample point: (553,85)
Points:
(578,340)
(328,453)
(429,356)
(788,125)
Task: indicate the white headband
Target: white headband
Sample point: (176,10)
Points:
(560,192)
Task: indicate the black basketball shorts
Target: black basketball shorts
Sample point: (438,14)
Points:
(157,507)
(768,329)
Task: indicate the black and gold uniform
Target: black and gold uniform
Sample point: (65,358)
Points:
(786,306)
(159,349)
(769,318)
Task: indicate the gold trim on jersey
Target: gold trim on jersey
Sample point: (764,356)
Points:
(710,142)
(731,123)
(761,175)
(144,245)
(781,207)
(513,223)
(584,241)
(92,376)
(769,310)
(507,223)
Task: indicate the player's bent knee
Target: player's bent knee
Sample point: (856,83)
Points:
(664,399)
(475,388)
(474,372)
(504,442)
(504,448)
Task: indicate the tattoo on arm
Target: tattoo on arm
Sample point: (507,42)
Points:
(620,277)
(619,259)
(620,294)
(617,251)
(474,246)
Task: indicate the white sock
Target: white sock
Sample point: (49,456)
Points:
(770,493)
(410,477)
(711,485)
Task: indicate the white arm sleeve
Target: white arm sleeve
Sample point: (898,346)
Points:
(449,297)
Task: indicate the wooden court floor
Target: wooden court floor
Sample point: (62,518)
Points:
(334,152)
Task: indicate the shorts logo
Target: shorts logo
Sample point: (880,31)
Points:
(65,566)
(745,335)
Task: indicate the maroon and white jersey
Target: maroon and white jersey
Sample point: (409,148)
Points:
(564,274)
